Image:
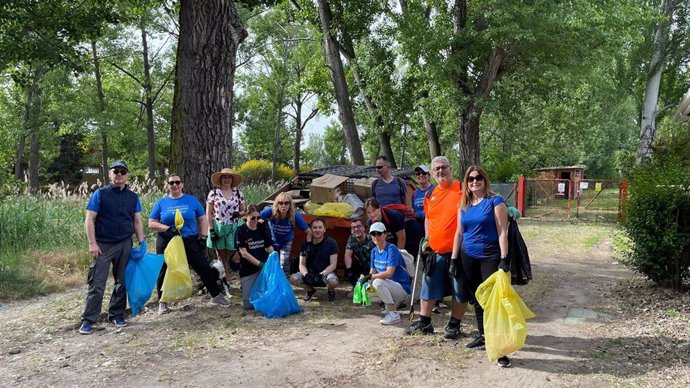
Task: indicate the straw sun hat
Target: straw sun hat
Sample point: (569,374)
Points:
(236,178)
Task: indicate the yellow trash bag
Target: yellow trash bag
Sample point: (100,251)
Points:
(505,329)
(310,207)
(334,209)
(177,284)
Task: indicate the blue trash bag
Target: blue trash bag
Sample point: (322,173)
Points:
(271,293)
(140,280)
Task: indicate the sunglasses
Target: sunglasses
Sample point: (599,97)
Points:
(441,168)
(283,203)
(120,172)
(421,173)
(477,178)
(253,218)
(174,183)
(376,234)
(379,167)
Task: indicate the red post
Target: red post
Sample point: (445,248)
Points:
(622,198)
(521,195)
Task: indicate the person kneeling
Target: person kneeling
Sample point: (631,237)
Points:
(388,275)
(317,262)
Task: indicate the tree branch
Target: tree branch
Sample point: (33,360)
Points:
(128,73)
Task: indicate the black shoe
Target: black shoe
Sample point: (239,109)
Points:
(451,332)
(418,328)
(477,343)
(401,305)
(503,362)
(309,295)
(331,295)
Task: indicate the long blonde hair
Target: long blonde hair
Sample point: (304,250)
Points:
(467,195)
(283,197)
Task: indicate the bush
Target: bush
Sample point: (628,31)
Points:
(259,171)
(657,221)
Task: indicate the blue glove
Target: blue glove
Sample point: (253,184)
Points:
(137,254)
(513,213)
(143,247)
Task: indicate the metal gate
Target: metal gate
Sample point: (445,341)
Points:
(547,199)
(598,200)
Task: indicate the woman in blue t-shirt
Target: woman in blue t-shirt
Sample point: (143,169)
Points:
(162,220)
(283,218)
(481,240)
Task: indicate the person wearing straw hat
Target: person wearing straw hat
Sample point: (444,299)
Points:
(224,207)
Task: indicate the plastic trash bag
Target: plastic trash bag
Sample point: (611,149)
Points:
(310,207)
(360,294)
(140,280)
(177,284)
(505,329)
(357,294)
(353,200)
(334,209)
(271,293)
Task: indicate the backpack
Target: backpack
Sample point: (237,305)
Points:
(408,261)
(406,211)
(401,184)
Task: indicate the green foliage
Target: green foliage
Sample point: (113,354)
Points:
(657,221)
(259,171)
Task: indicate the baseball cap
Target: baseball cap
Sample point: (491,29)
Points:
(119,163)
(422,168)
(377,227)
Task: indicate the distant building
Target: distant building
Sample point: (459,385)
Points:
(571,173)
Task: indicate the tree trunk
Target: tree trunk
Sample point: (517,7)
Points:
(432,137)
(19,166)
(342,96)
(201,143)
(298,134)
(101,109)
(148,103)
(276,134)
(386,149)
(35,131)
(651,93)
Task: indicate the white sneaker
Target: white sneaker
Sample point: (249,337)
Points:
(390,318)
(219,300)
(163,308)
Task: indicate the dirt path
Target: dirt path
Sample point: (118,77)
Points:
(336,345)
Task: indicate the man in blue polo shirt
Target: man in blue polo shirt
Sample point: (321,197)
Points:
(113,214)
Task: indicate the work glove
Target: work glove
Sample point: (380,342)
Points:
(202,242)
(137,254)
(261,264)
(454,269)
(171,232)
(365,278)
(513,213)
(350,275)
(504,264)
(311,279)
(425,245)
(214,235)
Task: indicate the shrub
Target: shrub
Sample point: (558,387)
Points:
(259,171)
(657,221)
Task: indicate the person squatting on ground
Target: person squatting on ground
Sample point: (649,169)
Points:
(283,218)
(405,233)
(388,189)
(255,244)
(224,207)
(440,274)
(481,240)
(388,275)
(113,214)
(162,220)
(317,263)
(357,255)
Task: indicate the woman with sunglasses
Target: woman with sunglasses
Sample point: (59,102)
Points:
(255,244)
(387,275)
(282,217)
(481,240)
(224,206)
(162,220)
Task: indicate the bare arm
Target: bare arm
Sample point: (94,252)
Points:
(457,239)
(248,256)
(308,236)
(303,265)
(209,212)
(90,226)
(157,226)
(203,225)
(387,274)
(138,227)
(401,238)
(501,217)
(348,258)
(332,266)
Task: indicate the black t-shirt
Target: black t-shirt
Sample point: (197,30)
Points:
(394,222)
(256,242)
(320,256)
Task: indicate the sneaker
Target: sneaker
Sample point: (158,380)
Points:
(390,318)
(331,295)
(163,308)
(503,362)
(401,306)
(477,343)
(418,328)
(451,332)
(219,300)
(437,308)
(309,295)
(85,328)
(118,321)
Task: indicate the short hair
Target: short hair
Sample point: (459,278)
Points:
(385,159)
(440,159)
(251,209)
(318,219)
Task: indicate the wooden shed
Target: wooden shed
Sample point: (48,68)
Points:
(571,173)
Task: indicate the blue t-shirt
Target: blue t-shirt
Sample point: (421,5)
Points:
(283,231)
(479,234)
(387,193)
(391,257)
(164,212)
(418,201)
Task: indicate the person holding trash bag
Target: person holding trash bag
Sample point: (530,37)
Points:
(224,207)
(113,214)
(283,218)
(318,260)
(388,275)
(162,220)
(481,240)
(357,252)
(440,225)
(255,244)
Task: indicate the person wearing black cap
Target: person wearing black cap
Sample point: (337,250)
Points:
(425,185)
(113,214)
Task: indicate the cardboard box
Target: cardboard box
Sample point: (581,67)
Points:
(325,188)
(362,187)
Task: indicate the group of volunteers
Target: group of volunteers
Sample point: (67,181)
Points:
(459,229)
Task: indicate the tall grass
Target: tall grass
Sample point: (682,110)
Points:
(42,240)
